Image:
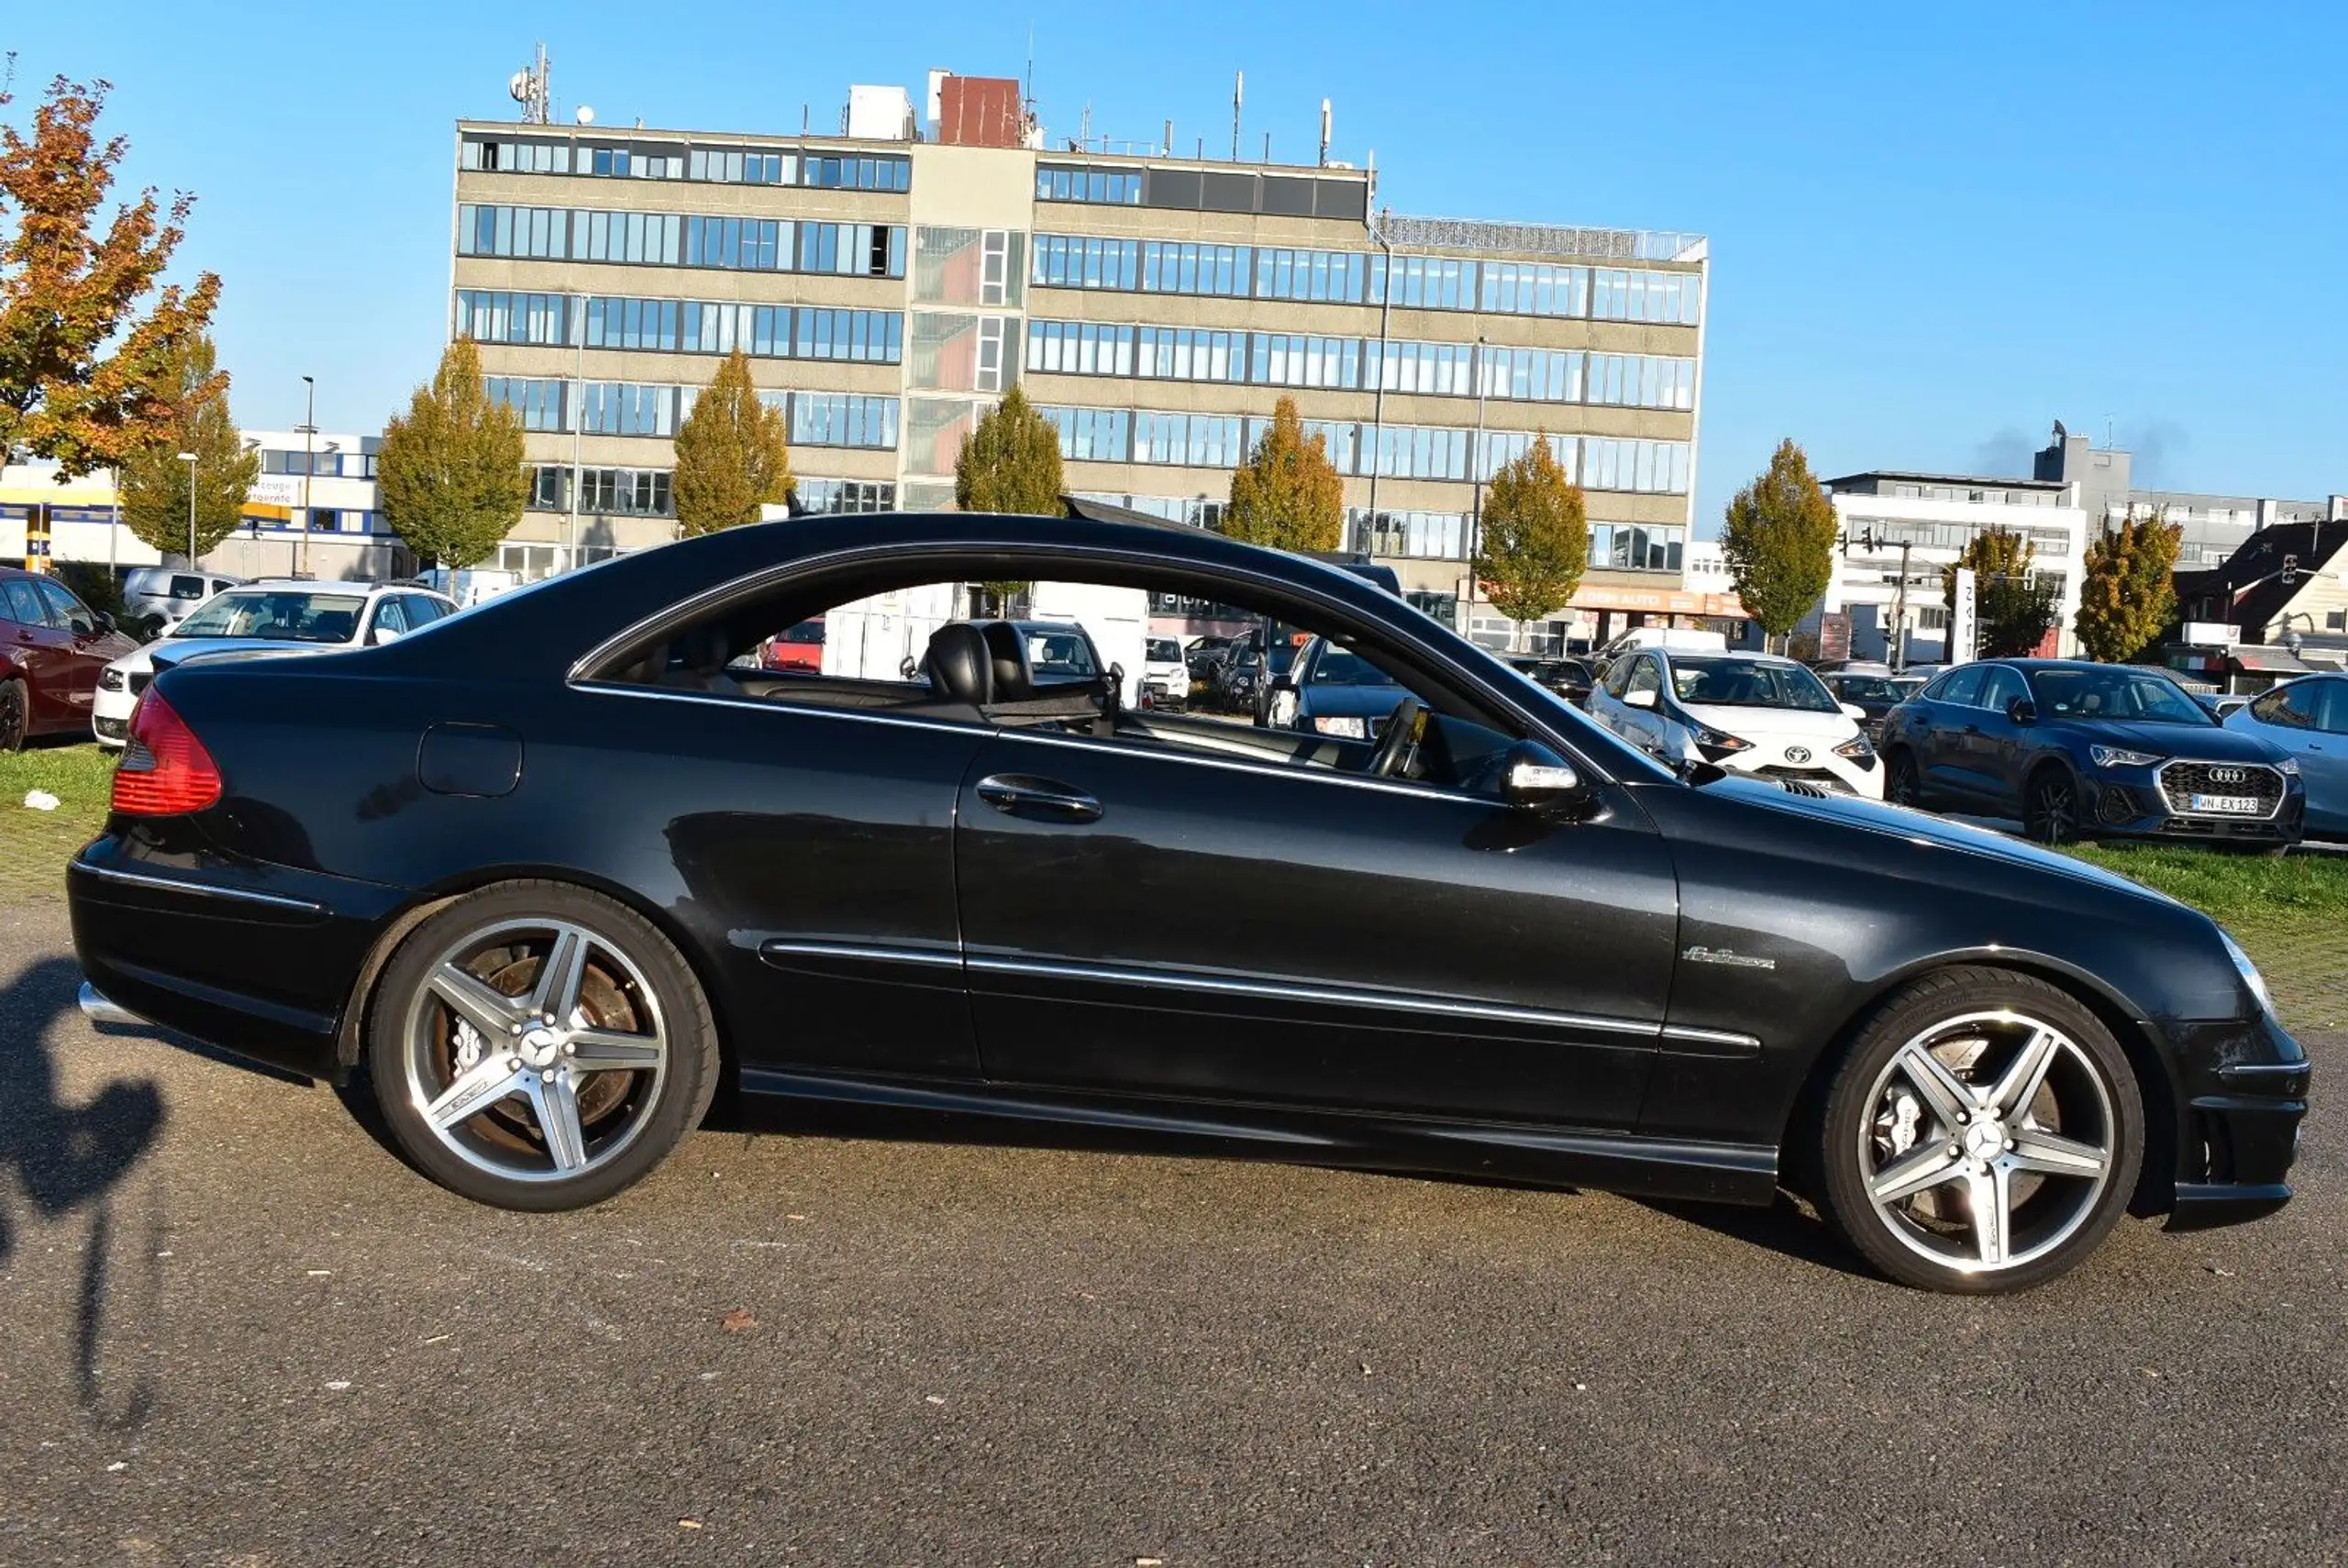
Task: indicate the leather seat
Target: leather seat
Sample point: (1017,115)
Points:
(1010,680)
(960,664)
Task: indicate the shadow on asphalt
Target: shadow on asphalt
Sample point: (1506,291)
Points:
(1785,1227)
(68,1159)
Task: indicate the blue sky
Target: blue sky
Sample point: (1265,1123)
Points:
(1935,229)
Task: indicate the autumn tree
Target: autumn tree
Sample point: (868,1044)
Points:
(85,378)
(732,453)
(450,473)
(154,481)
(1287,494)
(2012,609)
(1011,463)
(2128,593)
(1535,536)
(1779,541)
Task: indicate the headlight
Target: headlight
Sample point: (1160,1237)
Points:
(113,680)
(2246,969)
(1348,729)
(2120,756)
(1715,743)
(1856,748)
(2289,767)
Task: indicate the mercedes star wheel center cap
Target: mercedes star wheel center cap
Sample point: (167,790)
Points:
(540,1047)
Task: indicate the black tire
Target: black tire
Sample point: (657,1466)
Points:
(1903,782)
(15,715)
(658,1108)
(2050,806)
(2091,1088)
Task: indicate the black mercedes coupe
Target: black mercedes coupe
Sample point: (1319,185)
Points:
(549,873)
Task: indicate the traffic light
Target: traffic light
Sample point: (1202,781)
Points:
(2290,570)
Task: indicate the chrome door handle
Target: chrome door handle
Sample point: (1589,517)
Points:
(1017,792)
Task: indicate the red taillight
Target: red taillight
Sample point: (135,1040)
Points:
(165,771)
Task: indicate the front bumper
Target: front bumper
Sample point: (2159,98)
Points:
(2238,1131)
(1824,769)
(2128,802)
(110,715)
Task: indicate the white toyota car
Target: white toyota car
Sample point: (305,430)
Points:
(288,616)
(1747,713)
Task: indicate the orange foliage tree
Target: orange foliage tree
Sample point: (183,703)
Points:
(85,378)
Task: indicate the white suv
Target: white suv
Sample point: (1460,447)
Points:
(288,616)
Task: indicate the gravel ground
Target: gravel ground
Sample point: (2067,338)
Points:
(240,1332)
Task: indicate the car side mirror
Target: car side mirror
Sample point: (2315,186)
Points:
(907,669)
(1536,780)
(105,622)
(382,634)
(2023,710)
(1638,699)
(1852,710)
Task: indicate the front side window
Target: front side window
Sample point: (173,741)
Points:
(66,612)
(2288,707)
(2000,689)
(1961,686)
(1643,677)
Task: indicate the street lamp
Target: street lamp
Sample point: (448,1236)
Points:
(189,458)
(1476,466)
(309,441)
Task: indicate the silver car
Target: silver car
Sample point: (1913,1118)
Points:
(156,599)
(2307,720)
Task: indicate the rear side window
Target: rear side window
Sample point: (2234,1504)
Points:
(187,587)
(19,604)
(1960,686)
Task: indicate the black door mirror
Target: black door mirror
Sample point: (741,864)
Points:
(1537,780)
(105,622)
(2023,710)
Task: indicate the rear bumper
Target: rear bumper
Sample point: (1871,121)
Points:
(257,961)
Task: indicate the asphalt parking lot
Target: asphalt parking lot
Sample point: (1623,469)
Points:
(240,1332)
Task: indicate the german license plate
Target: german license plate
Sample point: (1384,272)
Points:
(2226,805)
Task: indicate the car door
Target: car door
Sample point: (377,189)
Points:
(1993,741)
(89,643)
(43,655)
(1139,918)
(1942,739)
(2307,720)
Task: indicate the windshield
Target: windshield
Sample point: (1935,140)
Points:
(805,631)
(289,616)
(1342,666)
(2115,695)
(1164,650)
(1874,688)
(1059,653)
(1749,683)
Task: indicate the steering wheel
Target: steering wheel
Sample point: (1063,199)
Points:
(1398,748)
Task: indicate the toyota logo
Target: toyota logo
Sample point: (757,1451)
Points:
(1797,754)
(2228,775)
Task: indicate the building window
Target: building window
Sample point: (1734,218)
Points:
(1079,349)
(822,496)
(1337,275)
(1113,187)
(1515,288)
(671,239)
(1286,359)
(842,419)
(1418,535)
(537,403)
(1092,435)
(1633,293)
(1636,546)
(490,317)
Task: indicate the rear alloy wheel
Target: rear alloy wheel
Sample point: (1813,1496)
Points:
(1984,1135)
(14,719)
(540,1047)
(1903,784)
(2050,810)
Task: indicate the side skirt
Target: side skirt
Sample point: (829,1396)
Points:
(1613,1162)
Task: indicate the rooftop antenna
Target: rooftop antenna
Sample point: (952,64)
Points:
(2107,433)
(1030,93)
(530,88)
(1166,147)
(1238,93)
(1267,147)
(1324,133)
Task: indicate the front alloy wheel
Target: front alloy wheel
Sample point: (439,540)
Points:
(1983,1136)
(14,719)
(2051,811)
(540,1047)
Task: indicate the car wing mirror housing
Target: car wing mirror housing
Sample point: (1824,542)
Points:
(1852,710)
(1538,781)
(382,634)
(2023,710)
(1638,699)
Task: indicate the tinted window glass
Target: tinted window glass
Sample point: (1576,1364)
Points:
(1164,650)
(289,616)
(187,587)
(2331,706)
(21,604)
(1342,666)
(66,612)
(2112,692)
(1999,687)
(2288,707)
(1961,686)
(422,609)
(389,616)
(1061,654)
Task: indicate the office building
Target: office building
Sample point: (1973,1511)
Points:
(2211,528)
(889,286)
(1901,531)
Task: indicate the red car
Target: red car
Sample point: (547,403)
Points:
(797,647)
(52,648)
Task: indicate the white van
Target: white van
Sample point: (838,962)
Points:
(1669,638)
